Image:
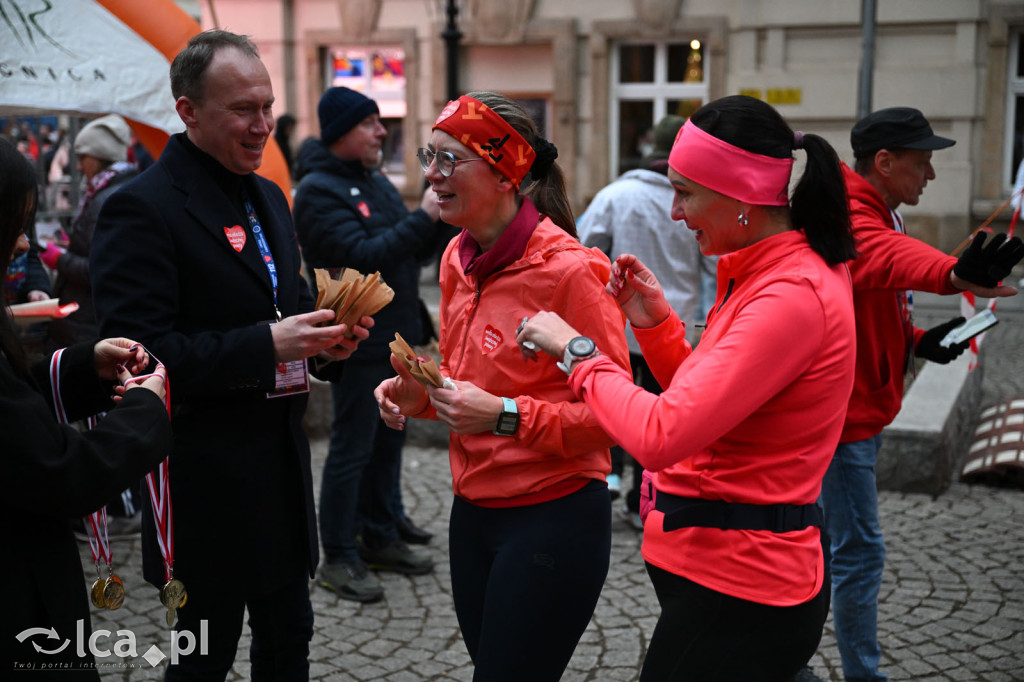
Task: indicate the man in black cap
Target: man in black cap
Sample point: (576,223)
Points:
(893,150)
(347,214)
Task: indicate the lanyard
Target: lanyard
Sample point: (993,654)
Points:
(158,482)
(264,247)
(905,303)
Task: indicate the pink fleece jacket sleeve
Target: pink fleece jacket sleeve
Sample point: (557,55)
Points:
(664,347)
(717,388)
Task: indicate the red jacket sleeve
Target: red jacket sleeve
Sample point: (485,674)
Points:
(569,428)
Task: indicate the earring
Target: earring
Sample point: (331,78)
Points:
(742,219)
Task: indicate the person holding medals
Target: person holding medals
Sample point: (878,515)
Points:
(197,258)
(530,532)
(74,472)
(740,438)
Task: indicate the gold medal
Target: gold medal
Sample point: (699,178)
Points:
(96,593)
(173,596)
(113,593)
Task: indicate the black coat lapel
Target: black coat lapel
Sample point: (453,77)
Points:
(213,211)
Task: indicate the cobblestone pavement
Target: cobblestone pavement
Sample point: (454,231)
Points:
(952,603)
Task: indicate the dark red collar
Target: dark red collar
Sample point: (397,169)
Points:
(509,248)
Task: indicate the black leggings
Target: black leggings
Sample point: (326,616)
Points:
(526,581)
(711,637)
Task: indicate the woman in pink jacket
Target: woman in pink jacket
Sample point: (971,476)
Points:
(530,532)
(744,431)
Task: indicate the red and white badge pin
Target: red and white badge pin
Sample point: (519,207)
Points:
(236,237)
(491,340)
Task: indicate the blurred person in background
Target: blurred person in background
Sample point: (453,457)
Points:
(634,215)
(348,214)
(101,152)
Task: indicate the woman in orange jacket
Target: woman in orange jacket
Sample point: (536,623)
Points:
(743,433)
(530,533)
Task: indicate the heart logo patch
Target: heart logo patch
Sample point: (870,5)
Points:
(492,338)
(236,237)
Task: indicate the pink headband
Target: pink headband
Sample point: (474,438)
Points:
(736,173)
(475,125)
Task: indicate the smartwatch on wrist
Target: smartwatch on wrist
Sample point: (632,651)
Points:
(508,420)
(579,348)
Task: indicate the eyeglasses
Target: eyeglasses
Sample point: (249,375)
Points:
(446,161)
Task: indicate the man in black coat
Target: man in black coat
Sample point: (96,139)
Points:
(197,259)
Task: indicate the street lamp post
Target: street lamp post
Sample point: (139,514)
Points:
(869,11)
(451,35)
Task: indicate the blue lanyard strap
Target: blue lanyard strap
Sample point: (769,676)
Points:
(261,242)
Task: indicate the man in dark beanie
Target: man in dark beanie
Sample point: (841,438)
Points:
(347,214)
(893,150)
(634,215)
(340,110)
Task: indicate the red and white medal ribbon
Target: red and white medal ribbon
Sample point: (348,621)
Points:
(99,540)
(95,523)
(58,402)
(158,482)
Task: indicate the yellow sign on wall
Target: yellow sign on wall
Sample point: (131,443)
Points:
(783,95)
(775,95)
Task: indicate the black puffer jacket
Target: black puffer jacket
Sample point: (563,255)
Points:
(350,216)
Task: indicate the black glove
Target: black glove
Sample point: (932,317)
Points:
(929,349)
(988,264)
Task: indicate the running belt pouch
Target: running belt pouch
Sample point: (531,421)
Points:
(689,512)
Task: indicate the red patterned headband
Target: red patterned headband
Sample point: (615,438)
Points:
(475,125)
(736,173)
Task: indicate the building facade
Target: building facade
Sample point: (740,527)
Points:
(597,74)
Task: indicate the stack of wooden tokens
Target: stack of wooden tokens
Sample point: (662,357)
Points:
(424,370)
(351,295)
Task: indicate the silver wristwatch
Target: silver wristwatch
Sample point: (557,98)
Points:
(579,348)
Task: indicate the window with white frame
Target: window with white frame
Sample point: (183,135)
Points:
(1014,148)
(649,81)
